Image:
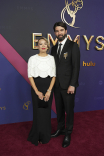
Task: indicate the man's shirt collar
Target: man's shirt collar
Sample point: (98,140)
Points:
(63,42)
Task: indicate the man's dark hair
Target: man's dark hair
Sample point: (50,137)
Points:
(60,24)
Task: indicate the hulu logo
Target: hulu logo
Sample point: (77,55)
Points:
(88,64)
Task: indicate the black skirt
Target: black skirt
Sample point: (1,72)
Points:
(41,128)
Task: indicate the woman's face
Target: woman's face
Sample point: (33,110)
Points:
(42,45)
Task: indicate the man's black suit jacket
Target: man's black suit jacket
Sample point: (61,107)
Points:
(67,70)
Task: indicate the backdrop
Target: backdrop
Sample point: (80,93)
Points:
(18,20)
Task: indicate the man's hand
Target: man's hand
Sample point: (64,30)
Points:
(47,96)
(71,90)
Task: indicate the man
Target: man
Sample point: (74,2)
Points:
(67,58)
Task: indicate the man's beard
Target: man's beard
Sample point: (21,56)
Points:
(61,38)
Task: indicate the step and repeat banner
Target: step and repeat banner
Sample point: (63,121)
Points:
(21,24)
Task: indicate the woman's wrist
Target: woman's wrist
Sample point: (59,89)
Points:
(36,91)
(48,90)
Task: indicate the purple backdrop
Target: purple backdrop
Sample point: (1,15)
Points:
(18,20)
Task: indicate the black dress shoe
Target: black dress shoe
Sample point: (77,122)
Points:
(58,132)
(66,141)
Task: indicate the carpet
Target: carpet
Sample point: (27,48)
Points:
(87,138)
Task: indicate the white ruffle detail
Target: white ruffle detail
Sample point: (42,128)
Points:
(41,66)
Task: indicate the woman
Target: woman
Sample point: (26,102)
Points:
(41,74)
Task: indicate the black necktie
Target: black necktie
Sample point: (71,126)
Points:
(59,50)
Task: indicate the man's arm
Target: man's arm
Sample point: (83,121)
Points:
(75,65)
(76,68)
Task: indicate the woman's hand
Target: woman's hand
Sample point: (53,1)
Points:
(40,95)
(47,96)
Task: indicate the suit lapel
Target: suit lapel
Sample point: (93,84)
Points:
(55,52)
(64,49)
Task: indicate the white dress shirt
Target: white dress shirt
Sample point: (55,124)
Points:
(63,42)
(41,66)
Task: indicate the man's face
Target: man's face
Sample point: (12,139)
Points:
(60,33)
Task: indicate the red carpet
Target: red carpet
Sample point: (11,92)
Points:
(87,138)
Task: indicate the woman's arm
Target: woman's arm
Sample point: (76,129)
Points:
(48,93)
(33,84)
(40,95)
(52,83)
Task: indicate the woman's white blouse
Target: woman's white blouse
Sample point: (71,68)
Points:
(41,66)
